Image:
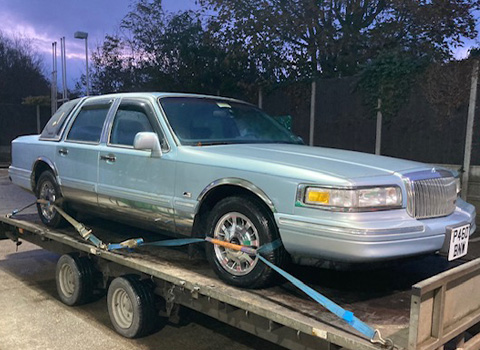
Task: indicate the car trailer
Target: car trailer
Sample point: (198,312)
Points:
(440,312)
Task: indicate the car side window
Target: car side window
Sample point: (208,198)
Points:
(54,127)
(132,117)
(88,124)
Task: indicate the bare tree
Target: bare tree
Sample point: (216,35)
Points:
(21,72)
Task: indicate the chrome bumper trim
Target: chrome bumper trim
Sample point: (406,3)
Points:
(349,230)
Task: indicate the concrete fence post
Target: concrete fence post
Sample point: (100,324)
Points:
(378,134)
(38,120)
(260,97)
(469,134)
(312,112)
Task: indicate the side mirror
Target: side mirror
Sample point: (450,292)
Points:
(148,141)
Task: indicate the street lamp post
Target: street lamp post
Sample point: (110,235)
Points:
(84,35)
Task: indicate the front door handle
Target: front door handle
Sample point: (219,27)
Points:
(63,151)
(108,158)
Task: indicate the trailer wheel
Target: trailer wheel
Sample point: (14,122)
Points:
(242,220)
(74,278)
(131,306)
(47,188)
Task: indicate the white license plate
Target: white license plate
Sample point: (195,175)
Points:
(458,242)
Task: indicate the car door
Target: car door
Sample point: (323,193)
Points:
(77,155)
(131,182)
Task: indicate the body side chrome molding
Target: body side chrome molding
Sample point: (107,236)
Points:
(240,183)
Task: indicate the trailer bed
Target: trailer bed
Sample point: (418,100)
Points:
(281,314)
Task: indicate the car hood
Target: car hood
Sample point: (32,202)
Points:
(299,160)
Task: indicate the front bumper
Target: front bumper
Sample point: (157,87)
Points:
(367,237)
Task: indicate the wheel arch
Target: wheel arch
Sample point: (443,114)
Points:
(41,164)
(227,187)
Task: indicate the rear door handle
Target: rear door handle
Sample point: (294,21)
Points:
(108,158)
(63,151)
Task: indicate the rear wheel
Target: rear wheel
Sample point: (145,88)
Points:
(242,220)
(48,189)
(131,306)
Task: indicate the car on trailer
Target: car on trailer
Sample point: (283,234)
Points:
(195,165)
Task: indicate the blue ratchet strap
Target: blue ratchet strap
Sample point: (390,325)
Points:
(94,239)
(345,315)
(175,242)
(269,247)
(129,244)
(138,242)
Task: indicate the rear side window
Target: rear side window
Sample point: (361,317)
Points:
(88,124)
(54,127)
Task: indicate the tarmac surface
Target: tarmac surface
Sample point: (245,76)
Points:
(32,316)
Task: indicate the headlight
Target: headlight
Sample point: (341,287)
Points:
(351,199)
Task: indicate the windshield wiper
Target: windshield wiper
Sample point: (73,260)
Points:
(213,143)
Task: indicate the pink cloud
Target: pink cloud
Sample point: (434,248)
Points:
(40,40)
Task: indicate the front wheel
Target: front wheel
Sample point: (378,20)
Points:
(242,220)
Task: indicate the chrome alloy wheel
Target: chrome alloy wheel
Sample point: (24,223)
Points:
(47,192)
(238,229)
(122,308)
(66,280)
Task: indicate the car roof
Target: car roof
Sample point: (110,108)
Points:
(164,94)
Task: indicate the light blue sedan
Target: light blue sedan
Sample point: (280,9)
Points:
(195,165)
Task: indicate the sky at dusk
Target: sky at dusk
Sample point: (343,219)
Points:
(45,21)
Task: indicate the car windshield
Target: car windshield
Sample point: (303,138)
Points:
(208,121)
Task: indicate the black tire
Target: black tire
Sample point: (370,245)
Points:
(47,188)
(131,306)
(74,276)
(239,269)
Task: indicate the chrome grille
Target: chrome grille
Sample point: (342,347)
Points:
(430,198)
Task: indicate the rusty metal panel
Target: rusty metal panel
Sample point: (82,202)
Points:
(425,317)
(462,299)
(445,306)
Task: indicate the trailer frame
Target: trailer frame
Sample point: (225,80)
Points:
(248,311)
